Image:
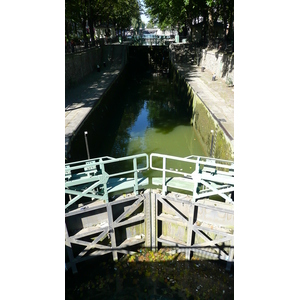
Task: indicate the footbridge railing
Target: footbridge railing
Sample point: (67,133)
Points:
(204,176)
(96,178)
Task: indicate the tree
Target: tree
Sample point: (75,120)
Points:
(75,14)
(181,13)
(116,12)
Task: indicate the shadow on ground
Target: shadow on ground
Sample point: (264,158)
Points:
(164,274)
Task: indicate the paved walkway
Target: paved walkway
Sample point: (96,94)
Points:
(216,95)
(80,100)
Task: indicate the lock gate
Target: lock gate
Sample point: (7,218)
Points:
(109,214)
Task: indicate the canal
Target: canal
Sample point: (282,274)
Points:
(141,113)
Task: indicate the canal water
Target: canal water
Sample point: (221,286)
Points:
(142,114)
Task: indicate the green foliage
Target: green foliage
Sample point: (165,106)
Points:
(118,13)
(181,13)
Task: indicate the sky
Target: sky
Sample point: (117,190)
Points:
(144,18)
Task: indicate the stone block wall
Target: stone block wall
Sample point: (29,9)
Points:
(202,120)
(219,63)
(78,65)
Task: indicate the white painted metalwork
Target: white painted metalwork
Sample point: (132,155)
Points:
(209,176)
(89,178)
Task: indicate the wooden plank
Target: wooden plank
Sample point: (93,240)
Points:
(89,231)
(172,219)
(137,218)
(130,210)
(147,218)
(213,228)
(94,244)
(215,206)
(132,241)
(170,241)
(212,243)
(97,204)
(170,205)
(153,198)
(190,232)
(203,236)
(122,200)
(112,231)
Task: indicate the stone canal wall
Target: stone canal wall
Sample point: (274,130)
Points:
(203,122)
(220,63)
(78,65)
(202,119)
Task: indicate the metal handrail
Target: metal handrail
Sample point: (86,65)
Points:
(210,168)
(105,160)
(89,169)
(196,160)
(204,170)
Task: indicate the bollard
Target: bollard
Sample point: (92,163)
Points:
(86,144)
(212,142)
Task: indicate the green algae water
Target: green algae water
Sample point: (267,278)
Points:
(143,114)
(161,123)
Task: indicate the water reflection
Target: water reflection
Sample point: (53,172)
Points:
(144,115)
(155,120)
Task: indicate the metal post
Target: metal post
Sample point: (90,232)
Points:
(164,191)
(86,144)
(135,176)
(212,142)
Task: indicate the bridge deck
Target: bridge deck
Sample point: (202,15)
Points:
(181,183)
(118,184)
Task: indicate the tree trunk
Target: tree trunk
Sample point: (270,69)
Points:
(84,33)
(230,29)
(225,28)
(205,29)
(211,31)
(92,33)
